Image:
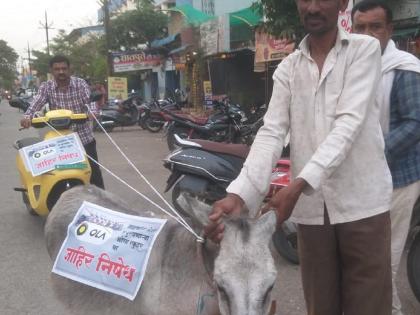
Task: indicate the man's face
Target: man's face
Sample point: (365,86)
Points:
(320,16)
(60,71)
(374,23)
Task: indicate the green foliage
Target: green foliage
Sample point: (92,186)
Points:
(135,27)
(8,58)
(40,63)
(282,18)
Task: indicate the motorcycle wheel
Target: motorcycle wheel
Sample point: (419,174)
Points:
(176,191)
(182,132)
(153,126)
(27,204)
(413,266)
(142,122)
(286,245)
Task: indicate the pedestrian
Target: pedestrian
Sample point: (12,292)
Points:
(324,95)
(399,102)
(67,92)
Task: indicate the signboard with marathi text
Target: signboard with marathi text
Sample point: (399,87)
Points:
(117,88)
(269,48)
(133,61)
(107,250)
(54,153)
(208,93)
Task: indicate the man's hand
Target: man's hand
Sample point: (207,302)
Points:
(230,205)
(284,201)
(25,122)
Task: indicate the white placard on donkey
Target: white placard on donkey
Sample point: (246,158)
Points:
(183,276)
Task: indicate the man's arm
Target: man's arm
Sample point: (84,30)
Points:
(253,181)
(356,99)
(407,134)
(85,92)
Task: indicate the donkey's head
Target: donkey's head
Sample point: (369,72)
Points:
(244,271)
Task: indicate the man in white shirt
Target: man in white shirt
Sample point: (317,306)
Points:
(324,95)
(399,102)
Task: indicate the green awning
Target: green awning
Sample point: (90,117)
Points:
(248,16)
(191,15)
(414,31)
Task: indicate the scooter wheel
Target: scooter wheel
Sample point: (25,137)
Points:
(413,266)
(27,204)
(286,245)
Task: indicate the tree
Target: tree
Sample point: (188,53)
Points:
(8,58)
(282,18)
(135,27)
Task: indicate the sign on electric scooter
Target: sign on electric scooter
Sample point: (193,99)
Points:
(107,250)
(60,152)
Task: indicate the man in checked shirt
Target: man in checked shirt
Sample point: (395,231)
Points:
(67,92)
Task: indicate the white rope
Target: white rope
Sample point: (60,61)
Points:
(177,217)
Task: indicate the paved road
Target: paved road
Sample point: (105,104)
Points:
(24,262)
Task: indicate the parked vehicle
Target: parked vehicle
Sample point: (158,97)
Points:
(413,258)
(203,169)
(22,103)
(153,116)
(120,114)
(224,125)
(40,193)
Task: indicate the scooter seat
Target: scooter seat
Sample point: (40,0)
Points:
(238,150)
(26,142)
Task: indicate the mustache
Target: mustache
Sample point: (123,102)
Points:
(316,16)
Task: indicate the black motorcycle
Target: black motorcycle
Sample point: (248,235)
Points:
(22,103)
(120,114)
(224,125)
(203,169)
(152,116)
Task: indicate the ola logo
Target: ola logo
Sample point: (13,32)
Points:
(82,229)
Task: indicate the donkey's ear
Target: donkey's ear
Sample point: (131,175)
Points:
(266,224)
(198,211)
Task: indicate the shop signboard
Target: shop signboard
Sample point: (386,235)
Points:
(208,93)
(269,48)
(133,61)
(117,88)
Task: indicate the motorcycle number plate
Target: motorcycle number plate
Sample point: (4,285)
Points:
(143,114)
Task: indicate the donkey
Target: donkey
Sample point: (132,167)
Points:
(183,276)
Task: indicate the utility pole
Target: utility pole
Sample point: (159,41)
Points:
(29,61)
(47,27)
(107,38)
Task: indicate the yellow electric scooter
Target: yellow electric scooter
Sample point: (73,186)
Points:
(41,192)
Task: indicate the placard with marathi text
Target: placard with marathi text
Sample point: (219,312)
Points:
(107,250)
(50,154)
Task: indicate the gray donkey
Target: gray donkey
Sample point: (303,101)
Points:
(183,277)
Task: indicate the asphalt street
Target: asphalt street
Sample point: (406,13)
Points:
(24,263)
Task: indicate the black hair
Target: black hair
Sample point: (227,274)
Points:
(59,59)
(367,5)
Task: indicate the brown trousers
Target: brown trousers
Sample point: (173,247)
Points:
(346,268)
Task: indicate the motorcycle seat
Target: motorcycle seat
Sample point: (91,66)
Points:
(238,150)
(21,143)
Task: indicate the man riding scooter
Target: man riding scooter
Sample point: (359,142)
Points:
(68,92)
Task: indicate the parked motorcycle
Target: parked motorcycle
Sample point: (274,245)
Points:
(120,114)
(224,125)
(152,116)
(413,258)
(203,169)
(22,103)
